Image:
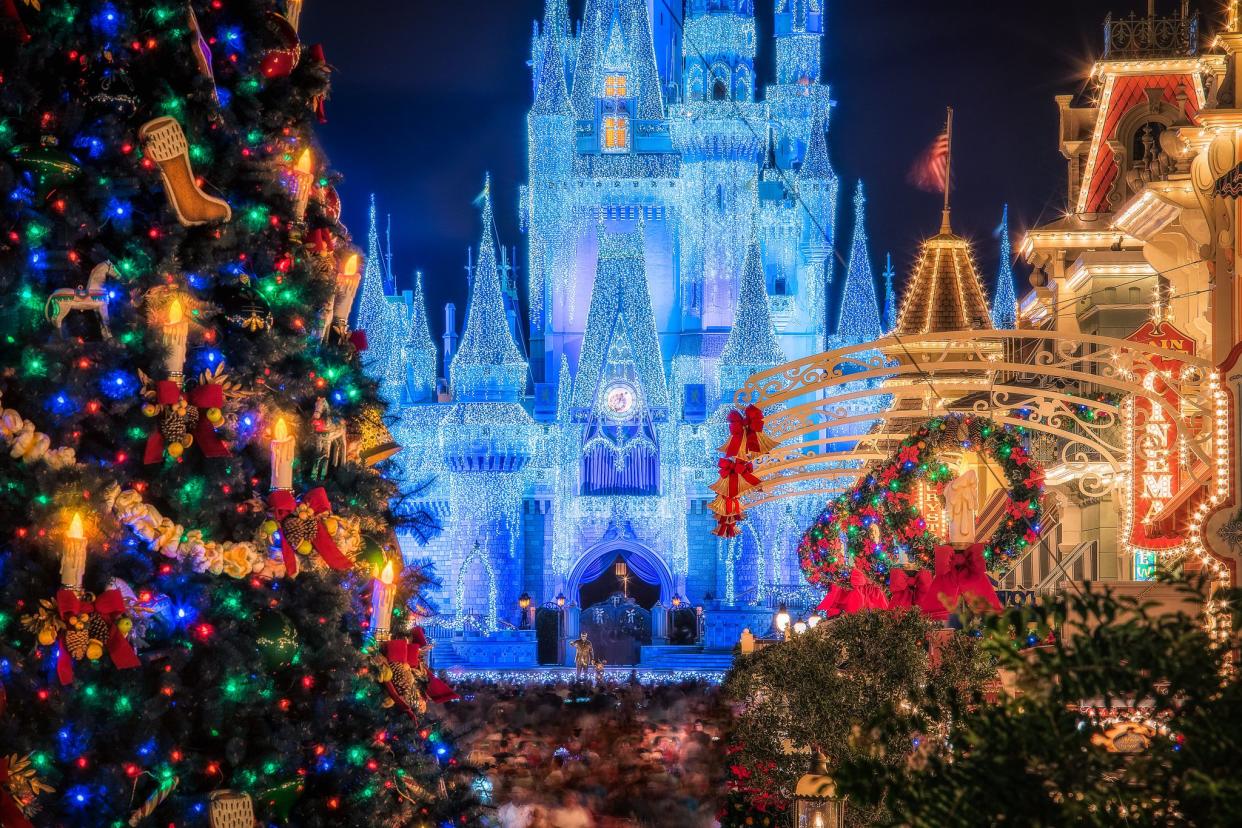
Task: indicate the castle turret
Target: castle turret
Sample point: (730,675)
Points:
(799,41)
(817,191)
(488,366)
(720,50)
(550,146)
(859,319)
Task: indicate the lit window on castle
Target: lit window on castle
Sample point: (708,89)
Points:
(616,86)
(616,133)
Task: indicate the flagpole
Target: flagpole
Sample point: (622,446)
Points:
(945,229)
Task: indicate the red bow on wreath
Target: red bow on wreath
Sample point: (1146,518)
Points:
(204,397)
(746,437)
(862,595)
(304,522)
(908,589)
(961,575)
(737,477)
(109,606)
(11,815)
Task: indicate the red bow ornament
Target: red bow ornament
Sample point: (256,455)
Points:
(961,575)
(184,420)
(438,691)
(746,437)
(727,507)
(908,589)
(726,526)
(91,628)
(737,477)
(303,529)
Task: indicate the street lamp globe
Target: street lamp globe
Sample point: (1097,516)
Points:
(799,627)
(560,600)
(524,601)
(782,618)
(814,620)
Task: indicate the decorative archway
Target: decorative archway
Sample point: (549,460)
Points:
(642,561)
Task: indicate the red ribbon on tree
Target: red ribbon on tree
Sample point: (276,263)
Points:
(908,589)
(863,594)
(399,651)
(110,605)
(321,242)
(746,437)
(737,477)
(437,690)
(11,815)
(8,9)
(318,103)
(961,575)
(204,397)
(283,505)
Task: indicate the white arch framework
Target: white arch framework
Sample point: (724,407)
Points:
(1035,380)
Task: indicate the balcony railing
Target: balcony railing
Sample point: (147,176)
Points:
(1151,37)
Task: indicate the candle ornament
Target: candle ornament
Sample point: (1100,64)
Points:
(73,557)
(383,597)
(282,456)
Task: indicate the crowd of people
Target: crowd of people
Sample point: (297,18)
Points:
(593,755)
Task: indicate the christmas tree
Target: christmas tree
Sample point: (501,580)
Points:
(198,564)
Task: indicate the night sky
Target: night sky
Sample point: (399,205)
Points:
(431,94)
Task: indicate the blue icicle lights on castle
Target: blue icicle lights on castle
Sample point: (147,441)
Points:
(680,233)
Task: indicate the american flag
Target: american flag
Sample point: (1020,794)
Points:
(930,172)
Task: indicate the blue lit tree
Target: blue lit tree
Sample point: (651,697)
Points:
(890,295)
(1005,305)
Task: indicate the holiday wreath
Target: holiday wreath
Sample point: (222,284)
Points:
(877,526)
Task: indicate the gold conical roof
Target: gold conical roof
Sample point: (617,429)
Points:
(944,292)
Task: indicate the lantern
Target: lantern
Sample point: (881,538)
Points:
(816,804)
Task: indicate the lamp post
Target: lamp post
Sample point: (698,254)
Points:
(816,804)
(560,628)
(524,606)
(782,621)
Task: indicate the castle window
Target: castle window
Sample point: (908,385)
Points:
(720,90)
(616,86)
(617,132)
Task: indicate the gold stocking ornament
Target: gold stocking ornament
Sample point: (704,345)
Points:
(164,142)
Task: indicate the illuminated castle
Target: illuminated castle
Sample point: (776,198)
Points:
(680,232)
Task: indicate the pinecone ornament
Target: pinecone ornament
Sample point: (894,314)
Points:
(77,642)
(98,630)
(177,424)
(299,528)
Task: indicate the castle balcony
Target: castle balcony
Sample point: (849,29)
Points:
(499,438)
(1151,37)
(484,456)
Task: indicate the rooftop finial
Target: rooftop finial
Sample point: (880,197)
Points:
(946,228)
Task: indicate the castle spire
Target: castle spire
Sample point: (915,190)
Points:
(420,346)
(552,96)
(1005,303)
(859,321)
(488,366)
(816,165)
(373,306)
(752,341)
(890,295)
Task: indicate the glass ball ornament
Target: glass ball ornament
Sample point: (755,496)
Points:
(49,166)
(276,638)
(243,307)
